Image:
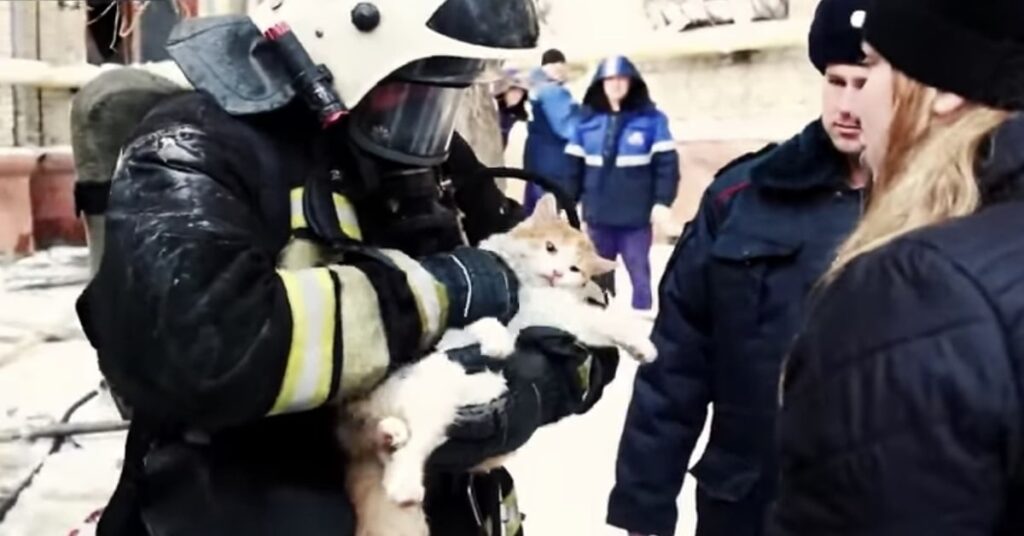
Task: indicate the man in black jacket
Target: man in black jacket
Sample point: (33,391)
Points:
(731,301)
(283,238)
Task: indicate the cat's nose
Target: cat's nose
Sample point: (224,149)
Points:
(556,274)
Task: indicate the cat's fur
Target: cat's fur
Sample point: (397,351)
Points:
(390,433)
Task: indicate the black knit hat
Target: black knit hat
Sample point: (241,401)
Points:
(552,55)
(974,48)
(836,33)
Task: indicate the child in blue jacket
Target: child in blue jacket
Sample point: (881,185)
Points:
(626,169)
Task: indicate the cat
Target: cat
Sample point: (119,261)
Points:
(390,433)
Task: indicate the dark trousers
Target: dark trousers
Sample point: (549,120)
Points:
(634,244)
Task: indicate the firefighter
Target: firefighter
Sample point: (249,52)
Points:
(281,239)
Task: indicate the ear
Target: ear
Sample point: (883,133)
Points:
(946,103)
(600,265)
(546,210)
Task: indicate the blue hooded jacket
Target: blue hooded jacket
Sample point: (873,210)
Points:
(553,120)
(625,162)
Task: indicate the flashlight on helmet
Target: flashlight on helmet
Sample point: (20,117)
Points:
(312,81)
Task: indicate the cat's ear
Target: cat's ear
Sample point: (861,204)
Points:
(600,265)
(546,210)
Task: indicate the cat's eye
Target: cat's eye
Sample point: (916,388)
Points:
(575,269)
(551,248)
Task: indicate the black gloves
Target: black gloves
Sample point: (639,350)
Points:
(550,376)
(478,285)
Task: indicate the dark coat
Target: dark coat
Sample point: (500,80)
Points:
(625,162)
(731,300)
(903,410)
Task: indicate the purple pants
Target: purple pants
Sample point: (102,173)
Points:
(634,244)
(531,196)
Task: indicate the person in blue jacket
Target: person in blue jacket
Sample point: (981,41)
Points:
(731,302)
(626,169)
(553,117)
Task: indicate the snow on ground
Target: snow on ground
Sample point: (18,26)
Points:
(563,475)
(46,365)
(566,471)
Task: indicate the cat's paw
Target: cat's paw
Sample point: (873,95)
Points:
(499,347)
(642,349)
(404,488)
(392,433)
(495,339)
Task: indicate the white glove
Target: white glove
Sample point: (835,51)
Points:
(661,219)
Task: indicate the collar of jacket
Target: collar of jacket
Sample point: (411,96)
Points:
(808,161)
(1001,171)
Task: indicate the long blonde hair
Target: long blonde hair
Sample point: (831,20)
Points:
(928,173)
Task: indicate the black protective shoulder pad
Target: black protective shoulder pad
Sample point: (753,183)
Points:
(742,159)
(228,58)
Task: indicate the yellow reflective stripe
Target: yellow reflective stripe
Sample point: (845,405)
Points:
(300,253)
(583,373)
(347,219)
(364,342)
(431,298)
(511,518)
(307,378)
(298,214)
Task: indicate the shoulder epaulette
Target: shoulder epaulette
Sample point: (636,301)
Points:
(746,158)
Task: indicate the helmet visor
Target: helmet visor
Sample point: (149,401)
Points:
(407,122)
(450,71)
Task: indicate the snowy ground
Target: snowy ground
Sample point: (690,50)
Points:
(563,475)
(46,365)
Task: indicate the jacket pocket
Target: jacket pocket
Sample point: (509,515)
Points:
(753,280)
(724,476)
(748,250)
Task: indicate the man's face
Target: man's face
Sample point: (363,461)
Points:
(842,83)
(874,105)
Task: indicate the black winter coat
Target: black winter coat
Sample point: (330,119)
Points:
(731,300)
(903,410)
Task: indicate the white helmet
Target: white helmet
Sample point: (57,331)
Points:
(402,65)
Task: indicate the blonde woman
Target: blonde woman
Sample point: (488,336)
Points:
(902,398)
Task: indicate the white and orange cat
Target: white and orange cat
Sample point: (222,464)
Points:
(390,433)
